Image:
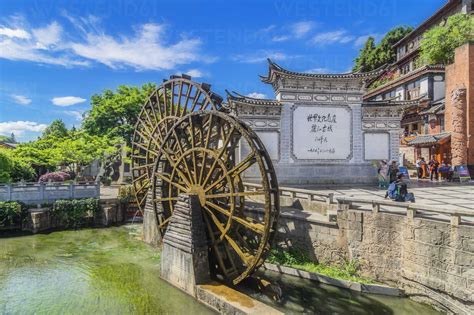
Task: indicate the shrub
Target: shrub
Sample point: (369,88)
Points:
(54,177)
(75,213)
(12,213)
(126,193)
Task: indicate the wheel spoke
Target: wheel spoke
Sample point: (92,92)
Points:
(236,170)
(244,256)
(169,181)
(247,222)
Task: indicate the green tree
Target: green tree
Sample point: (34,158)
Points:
(115,113)
(374,56)
(363,61)
(56,129)
(6,166)
(439,42)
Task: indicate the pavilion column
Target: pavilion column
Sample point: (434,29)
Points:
(458,125)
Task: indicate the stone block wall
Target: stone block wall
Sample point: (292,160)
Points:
(432,261)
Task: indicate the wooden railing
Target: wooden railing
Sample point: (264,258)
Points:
(48,192)
(412,210)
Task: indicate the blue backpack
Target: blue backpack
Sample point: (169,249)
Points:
(392,191)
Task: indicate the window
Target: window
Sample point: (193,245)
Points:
(405,68)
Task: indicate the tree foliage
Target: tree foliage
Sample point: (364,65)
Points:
(439,42)
(57,129)
(56,147)
(373,56)
(115,113)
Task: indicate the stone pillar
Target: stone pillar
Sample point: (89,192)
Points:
(458,125)
(286,133)
(184,260)
(151,233)
(357,137)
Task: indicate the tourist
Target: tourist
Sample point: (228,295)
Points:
(398,190)
(434,167)
(393,171)
(419,171)
(424,168)
(383,174)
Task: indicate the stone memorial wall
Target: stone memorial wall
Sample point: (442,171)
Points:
(318,130)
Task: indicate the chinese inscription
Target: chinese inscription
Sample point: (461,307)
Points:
(321,132)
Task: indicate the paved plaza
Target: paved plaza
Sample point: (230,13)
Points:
(440,194)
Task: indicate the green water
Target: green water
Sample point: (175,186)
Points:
(92,271)
(110,271)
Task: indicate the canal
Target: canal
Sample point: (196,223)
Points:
(110,271)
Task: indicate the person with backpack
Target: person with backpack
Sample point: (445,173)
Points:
(398,190)
(393,171)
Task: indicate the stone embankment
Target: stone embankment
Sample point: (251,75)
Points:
(426,252)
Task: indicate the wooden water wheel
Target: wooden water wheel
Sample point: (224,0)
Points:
(197,156)
(170,101)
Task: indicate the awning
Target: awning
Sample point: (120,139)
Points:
(425,140)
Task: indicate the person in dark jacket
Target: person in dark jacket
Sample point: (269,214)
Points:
(393,171)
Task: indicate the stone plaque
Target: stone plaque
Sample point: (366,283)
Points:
(322,132)
(376,146)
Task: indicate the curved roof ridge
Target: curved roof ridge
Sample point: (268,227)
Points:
(348,75)
(247,99)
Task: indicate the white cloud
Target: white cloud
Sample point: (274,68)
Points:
(195,73)
(67,100)
(280,38)
(333,37)
(294,31)
(49,35)
(20,127)
(76,114)
(21,99)
(14,33)
(261,56)
(146,49)
(256,95)
(28,51)
(318,70)
(300,29)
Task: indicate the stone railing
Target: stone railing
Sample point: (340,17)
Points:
(298,193)
(32,193)
(411,210)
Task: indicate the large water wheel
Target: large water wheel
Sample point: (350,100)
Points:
(170,101)
(198,156)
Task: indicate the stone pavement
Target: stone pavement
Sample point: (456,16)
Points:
(442,194)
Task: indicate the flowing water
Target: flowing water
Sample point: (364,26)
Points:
(110,271)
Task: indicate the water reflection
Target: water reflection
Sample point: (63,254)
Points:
(305,296)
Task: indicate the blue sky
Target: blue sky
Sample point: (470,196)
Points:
(55,54)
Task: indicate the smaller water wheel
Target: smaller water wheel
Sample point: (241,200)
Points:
(197,156)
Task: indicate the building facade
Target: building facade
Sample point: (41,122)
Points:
(423,124)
